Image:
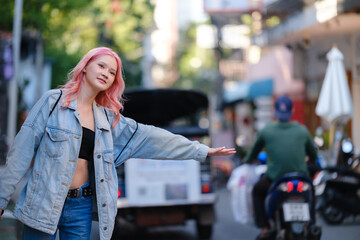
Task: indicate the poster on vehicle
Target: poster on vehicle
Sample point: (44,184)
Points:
(162,181)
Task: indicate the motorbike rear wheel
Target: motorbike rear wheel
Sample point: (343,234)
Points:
(289,235)
(332,215)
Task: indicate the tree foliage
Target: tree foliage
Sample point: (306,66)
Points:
(69,28)
(197,66)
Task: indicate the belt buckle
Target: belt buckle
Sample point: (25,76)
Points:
(77,192)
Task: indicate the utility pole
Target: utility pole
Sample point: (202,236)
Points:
(13,85)
(218,86)
(39,63)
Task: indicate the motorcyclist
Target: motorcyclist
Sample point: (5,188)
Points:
(288,144)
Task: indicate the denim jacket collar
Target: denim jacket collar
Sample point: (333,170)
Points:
(101,121)
(73,105)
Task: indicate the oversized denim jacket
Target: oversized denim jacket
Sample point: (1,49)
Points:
(52,143)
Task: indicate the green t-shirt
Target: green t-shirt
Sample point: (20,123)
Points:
(286,144)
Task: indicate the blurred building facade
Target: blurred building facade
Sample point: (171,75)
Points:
(286,55)
(309,29)
(33,79)
(159,67)
(6,74)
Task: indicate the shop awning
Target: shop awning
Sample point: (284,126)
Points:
(260,89)
(246,91)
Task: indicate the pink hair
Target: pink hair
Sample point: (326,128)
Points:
(110,98)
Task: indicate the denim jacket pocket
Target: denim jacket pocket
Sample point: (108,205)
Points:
(54,142)
(108,165)
(109,158)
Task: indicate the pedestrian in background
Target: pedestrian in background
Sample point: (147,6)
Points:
(287,145)
(72,139)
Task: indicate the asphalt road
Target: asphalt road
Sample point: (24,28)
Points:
(225,227)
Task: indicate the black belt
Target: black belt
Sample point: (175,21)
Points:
(77,192)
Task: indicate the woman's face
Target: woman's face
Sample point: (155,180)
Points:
(100,73)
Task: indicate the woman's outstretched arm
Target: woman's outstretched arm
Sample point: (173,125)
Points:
(221,151)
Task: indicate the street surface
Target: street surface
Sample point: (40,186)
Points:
(224,229)
(227,229)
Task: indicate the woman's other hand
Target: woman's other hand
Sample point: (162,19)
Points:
(221,151)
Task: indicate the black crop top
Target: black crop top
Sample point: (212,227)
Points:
(87,144)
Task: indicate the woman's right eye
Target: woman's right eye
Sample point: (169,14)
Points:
(100,65)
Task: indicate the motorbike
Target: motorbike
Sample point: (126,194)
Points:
(290,207)
(338,192)
(346,153)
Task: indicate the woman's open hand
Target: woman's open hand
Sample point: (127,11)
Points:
(221,151)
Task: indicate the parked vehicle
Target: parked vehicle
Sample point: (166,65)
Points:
(338,192)
(160,193)
(346,153)
(290,208)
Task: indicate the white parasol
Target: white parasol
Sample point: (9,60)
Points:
(335,103)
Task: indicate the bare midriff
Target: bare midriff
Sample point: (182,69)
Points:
(81,175)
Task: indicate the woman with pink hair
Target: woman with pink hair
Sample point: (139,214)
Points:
(72,141)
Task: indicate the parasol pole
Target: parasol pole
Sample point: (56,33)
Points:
(335,136)
(13,85)
(331,133)
(332,147)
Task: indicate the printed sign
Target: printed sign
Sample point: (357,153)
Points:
(162,181)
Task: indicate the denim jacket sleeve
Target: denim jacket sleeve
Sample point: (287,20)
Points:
(154,143)
(24,147)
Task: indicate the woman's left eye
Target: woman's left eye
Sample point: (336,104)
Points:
(112,73)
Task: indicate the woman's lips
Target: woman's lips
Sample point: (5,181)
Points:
(102,80)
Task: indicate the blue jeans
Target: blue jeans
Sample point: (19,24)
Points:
(75,221)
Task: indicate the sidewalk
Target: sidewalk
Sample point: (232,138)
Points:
(10,228)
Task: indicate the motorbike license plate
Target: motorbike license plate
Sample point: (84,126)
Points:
(296,212)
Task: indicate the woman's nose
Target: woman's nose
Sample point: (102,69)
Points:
(104,73)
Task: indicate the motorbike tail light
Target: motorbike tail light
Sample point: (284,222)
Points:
(290,186)
(302,186)
(119,193)
(286,187)
(299,187)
